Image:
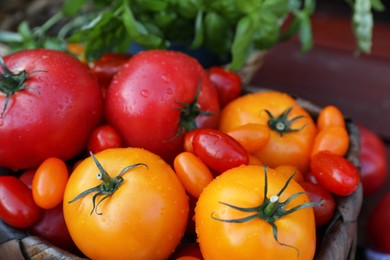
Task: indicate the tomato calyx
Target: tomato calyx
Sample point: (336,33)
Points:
(189,112)
(11,82)
(271,209)
(281,124)
(107,187)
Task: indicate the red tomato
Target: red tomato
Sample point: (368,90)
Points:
(373,161)
(49,183)
(103,137)
(51,227)
(378,230)
(52,113)
(17,206)
(192,173)
(107,66)
(228,84)
(27,177)
(323,213)
(218,150)
(158,95)
(335,173)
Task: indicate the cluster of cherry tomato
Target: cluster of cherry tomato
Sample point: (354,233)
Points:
(198,132)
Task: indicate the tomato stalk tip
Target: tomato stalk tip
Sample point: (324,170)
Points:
(282,124)
(108,186)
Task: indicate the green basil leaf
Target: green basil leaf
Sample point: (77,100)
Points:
(199,33)
(377,5)
(218,33)
(241,43)
(363,23)
(72,7)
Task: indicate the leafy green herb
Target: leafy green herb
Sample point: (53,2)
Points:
(231,29)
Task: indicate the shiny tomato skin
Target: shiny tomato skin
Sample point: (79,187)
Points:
(252,137)
(107,66)
(17,206)
(330,116)
(51,227)
(49,182)
(228,84)
(192,172)
(54,116)
(335,173)
(218,150)
(333,138)
(143,101)
(291,148)
(324,212)
(244,187)
(27,177)
(103,137)
(145,218)
(377,229)
(373,161)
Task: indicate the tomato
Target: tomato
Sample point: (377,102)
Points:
(252,137)
(334,139)
(134,208)
(323,212)
(49,183)
(188,250)
(288,170)
(51,227)
(17,206)
(292,128)
(157,96)
(239,216)
(228,84)
(51,113)
(330,116)
(192,172)
(378,231)
(107,66)
(373,161)
(104,137)
(335,173)
(27,177)
(188,140)
(218,150)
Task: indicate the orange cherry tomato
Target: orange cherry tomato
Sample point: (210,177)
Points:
(333,138)
(252,137)
(330,116)
(49,182)
(192,172)
(288,170)
(253,160)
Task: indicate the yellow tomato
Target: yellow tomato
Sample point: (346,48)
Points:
(292,128)
(234,220)
(144,218)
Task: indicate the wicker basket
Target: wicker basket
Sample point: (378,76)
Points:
(339,240)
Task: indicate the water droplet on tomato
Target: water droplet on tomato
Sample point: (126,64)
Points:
(165,78)
(169,91)
(144,93)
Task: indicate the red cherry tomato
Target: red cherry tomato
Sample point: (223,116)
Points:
(49,183)
(27,177)
(107,66)
(51,227)
(228,84)
(192,172)
(373,161)
(218,150)
(378,230)
(335,173)
(17,206)
(104,137)
(323,213)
